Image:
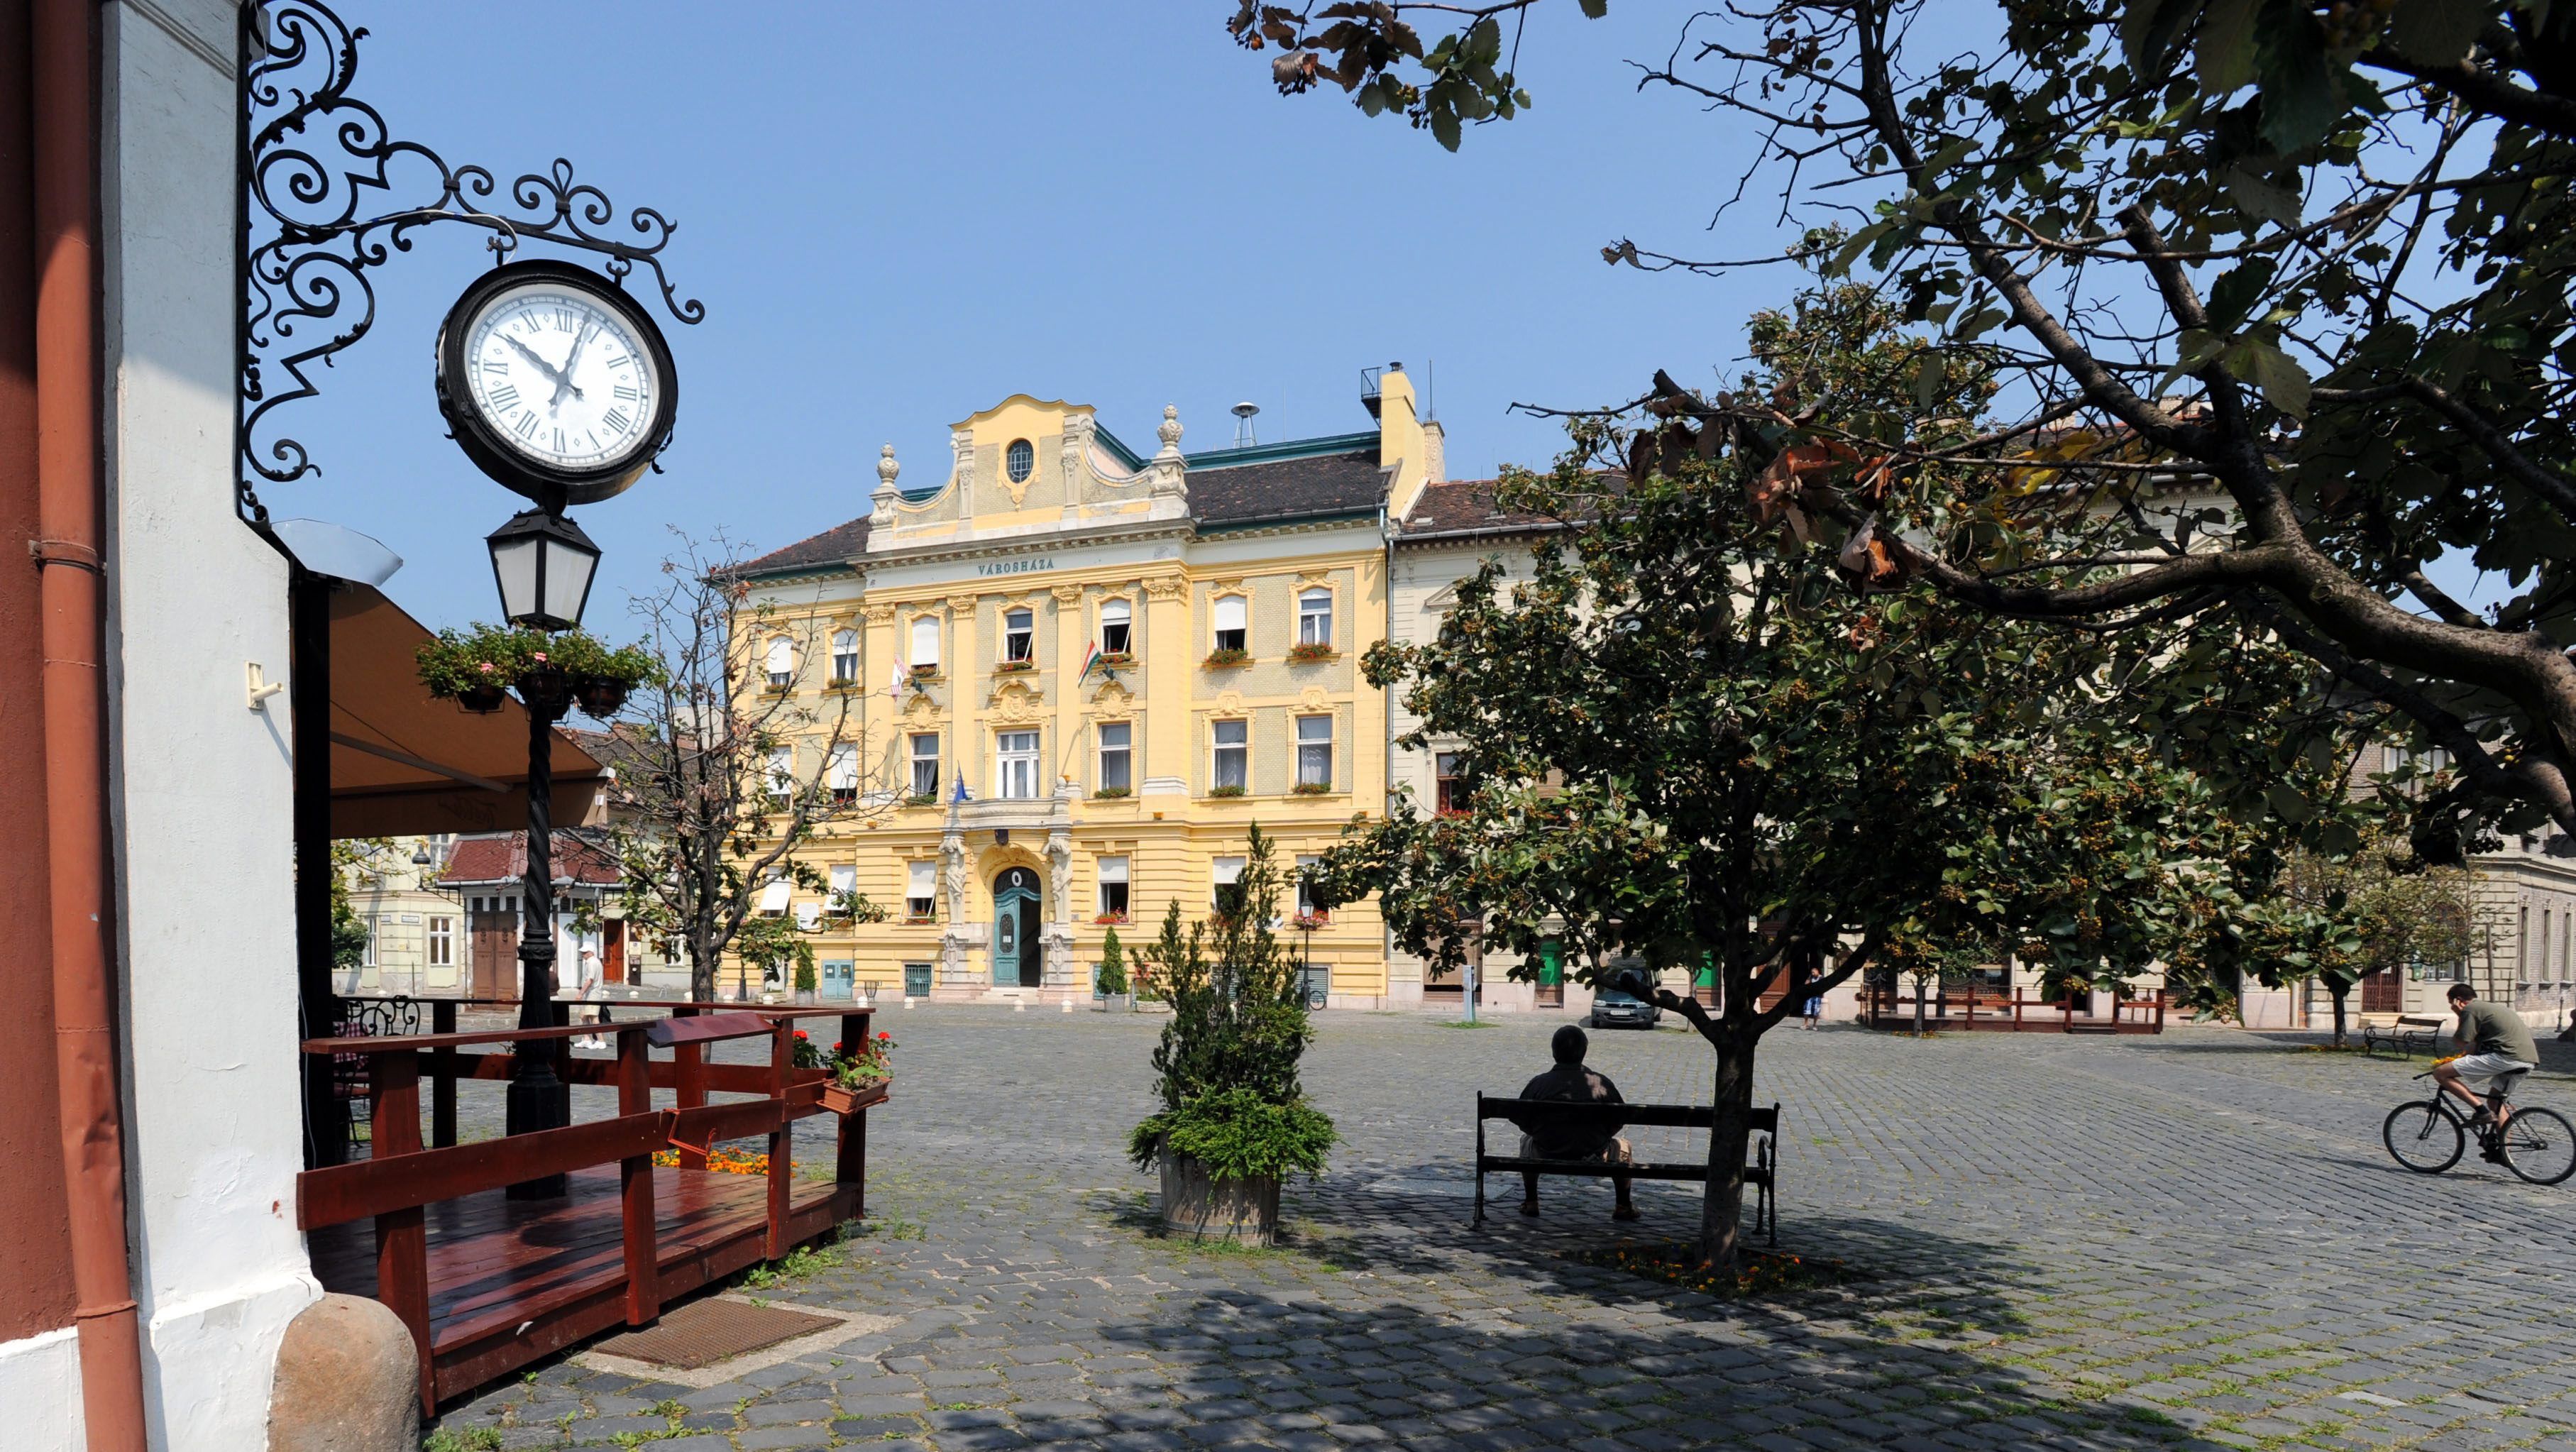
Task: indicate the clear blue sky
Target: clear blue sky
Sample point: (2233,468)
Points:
(897,215)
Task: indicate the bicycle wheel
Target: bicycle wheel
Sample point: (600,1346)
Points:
(2539,1146)
(2423,1138)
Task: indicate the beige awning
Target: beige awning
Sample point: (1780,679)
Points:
(403,763)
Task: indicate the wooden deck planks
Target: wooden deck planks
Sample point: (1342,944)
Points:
(494,1262)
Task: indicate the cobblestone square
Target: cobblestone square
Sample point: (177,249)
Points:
(2193,1241)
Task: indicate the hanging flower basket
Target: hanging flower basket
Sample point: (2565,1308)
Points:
(601,696)
(473,667)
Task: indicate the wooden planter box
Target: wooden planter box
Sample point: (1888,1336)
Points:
(1241,1210)
(841,1100)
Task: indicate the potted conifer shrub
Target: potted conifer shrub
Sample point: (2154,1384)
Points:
(1113,972)
(1235,1121)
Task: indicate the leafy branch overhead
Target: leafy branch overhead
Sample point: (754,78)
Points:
(2274,296)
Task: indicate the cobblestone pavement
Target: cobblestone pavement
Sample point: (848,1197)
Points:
(2190,1242)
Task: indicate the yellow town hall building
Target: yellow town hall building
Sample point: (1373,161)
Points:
(1035,804)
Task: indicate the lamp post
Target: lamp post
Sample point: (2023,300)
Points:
(542,564)
(420,864)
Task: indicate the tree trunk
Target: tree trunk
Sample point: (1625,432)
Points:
(1722,1207)
(2338,991)
(1918,1008)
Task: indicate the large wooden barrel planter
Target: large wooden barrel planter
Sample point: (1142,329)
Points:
(1209,1209)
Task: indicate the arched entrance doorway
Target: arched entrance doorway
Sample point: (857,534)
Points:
(1017,959)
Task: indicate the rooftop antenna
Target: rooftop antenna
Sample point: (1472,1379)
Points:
(1244,437)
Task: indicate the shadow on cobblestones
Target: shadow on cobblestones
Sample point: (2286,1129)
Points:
(1248,1368)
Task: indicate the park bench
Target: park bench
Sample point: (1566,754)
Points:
(1759,1175)
(2406,1035)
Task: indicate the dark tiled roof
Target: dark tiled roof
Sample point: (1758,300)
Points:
(833,546)
(474,861)
(1465,507)
(1317,486)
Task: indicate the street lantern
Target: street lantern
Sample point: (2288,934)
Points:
(543,564)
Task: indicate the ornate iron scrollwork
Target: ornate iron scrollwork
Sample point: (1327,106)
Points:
(318,160)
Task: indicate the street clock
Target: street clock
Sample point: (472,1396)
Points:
(555,382)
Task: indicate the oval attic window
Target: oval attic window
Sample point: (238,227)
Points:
(1019,458)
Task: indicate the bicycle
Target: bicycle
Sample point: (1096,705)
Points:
(2428,1136)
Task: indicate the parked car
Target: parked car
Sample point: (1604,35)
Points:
(1614,1009)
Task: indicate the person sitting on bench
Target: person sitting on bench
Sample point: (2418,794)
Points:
(1550,1137)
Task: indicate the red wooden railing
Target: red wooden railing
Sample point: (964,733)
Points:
(401,1178)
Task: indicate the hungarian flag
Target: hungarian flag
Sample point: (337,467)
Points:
(895,680)
(1088,661)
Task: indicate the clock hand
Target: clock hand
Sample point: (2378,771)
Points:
(563,380)
(530,354)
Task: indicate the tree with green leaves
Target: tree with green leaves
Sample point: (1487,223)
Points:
(1113,965)
(1699,735)
(2280,289)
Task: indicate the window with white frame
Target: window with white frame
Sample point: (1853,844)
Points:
(1117,622)
(1019,460)
(921,890)
(1019,635)
(1113,888)
(845,657)
(1228,614)
(1315,751)
(782,771)
(1315,618)
(845,889)
(925,642)
(843,773)
(1117,755)
(809,916)
(1306,909)
(1225,881)
(925,764)
(368,958)
(782,662)
(1016,765)
(1449,781)
(773,897)
(442,942)
(1230,761)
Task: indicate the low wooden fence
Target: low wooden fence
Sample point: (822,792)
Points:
(407,1189)
(1891,1006)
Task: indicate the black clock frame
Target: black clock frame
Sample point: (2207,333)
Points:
(551,487)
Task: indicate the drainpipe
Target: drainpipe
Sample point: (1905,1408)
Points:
(64,56)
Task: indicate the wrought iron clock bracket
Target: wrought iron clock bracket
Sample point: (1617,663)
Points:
(309,230)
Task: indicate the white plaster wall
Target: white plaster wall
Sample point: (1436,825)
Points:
(1416,581)
(203,785)
(40,1390)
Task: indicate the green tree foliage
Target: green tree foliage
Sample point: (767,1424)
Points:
(1226,1065)
(1113,964)
(2317,257)
(1698,737)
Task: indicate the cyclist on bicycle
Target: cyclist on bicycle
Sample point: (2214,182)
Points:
(2494,1042)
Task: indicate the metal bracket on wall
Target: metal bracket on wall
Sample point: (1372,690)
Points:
(317,162)
(260,688)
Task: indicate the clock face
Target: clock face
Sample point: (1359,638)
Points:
(560,377)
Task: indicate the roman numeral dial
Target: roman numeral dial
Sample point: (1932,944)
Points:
(561,376)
